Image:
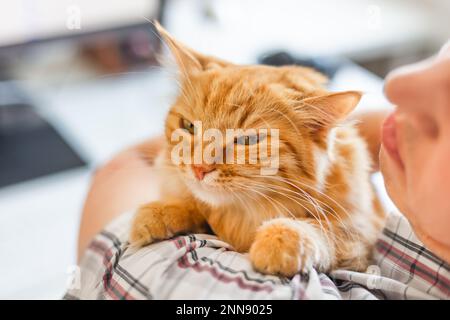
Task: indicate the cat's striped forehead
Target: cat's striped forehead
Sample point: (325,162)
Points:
(242,97)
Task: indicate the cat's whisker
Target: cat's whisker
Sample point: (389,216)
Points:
(317,208)
(326,232)
(253,197)
(287,180)
(322,228)
(272,199)
(334,214)
(243,202)
(323,194)
(245,188)
(247,207)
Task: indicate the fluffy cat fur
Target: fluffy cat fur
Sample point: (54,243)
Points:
(319,210)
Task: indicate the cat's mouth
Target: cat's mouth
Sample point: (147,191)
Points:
(202,175)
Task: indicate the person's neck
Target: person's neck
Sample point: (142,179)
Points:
(438,248)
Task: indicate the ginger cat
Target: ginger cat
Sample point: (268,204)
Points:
(318,210)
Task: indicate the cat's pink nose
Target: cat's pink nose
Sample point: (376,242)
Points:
(201,170)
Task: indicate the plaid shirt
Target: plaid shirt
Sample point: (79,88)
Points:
(199,266)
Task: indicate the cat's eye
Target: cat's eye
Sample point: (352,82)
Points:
(247,140)
(187,125)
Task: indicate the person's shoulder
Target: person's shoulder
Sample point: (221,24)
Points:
(401,256)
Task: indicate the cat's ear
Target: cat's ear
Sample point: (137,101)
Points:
(188,60)
(331,108)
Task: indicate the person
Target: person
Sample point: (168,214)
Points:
(409,263)
(416,148)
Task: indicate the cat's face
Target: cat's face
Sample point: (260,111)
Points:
(284,115)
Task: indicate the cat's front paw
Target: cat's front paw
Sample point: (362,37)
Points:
(157,221)
(285,246)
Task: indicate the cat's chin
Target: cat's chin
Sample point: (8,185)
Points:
(214,196)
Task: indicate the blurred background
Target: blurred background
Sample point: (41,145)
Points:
(79,81)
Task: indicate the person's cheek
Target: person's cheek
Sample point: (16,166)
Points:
(416,148)
(405,137)
(424,170)
(413,147)
(402,175)
(431,190)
